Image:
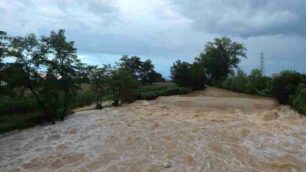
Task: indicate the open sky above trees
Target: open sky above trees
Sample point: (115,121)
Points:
(167,30)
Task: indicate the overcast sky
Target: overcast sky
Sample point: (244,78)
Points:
(167,30)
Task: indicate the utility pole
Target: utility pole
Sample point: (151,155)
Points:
(262,63)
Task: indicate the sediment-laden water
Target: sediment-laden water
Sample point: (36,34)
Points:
(213,130)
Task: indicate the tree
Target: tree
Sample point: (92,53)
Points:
(155,77)
(3,54)
(132,64)
(143,71)
(146,72)
(3,46)
(198,76)
(28,61)
(188,75)
(181,74)
(47,68)
(83,71)
(221,57)
(62,62)
(122,85)
(99,79)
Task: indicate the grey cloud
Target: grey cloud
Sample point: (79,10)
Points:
(167,30)
(35,15)
(246,17)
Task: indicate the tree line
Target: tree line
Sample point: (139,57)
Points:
(45,74)
(218,60)
(218,66)
(48,70)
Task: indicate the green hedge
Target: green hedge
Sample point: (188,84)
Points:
(150,95)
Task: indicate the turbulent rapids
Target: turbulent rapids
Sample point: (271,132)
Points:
(213,130)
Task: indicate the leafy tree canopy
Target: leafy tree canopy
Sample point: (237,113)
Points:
(220,57)
(143,71)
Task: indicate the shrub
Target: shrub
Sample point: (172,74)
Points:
(10,105)
(98,106)
(83,98)
(298,101)
(19,121)
(285,84)
(255,83)
(26,104)
(148,96)
(162,91)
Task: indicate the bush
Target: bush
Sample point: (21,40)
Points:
(83,99)
(298,101)
(10,105)
(285,84)
(98,106)
(27,104)
(18,121)
(148,96)
(162,91)
(255,83)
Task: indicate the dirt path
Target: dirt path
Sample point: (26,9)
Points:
(214,130)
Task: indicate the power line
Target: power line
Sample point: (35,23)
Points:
(262,63)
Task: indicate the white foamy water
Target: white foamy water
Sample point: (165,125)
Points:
(207,131)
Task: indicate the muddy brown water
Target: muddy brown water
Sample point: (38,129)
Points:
(214,130)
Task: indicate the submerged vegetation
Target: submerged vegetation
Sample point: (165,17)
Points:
(42,79)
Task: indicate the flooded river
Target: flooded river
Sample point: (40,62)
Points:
(212,130)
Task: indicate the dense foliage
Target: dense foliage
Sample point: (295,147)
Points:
(255,83)
(43,76)
(143,71)
(122,86)
(220,57)
(43,67)
(150,94)
(288,87)
(298,100)
(188,75)
(285,84)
